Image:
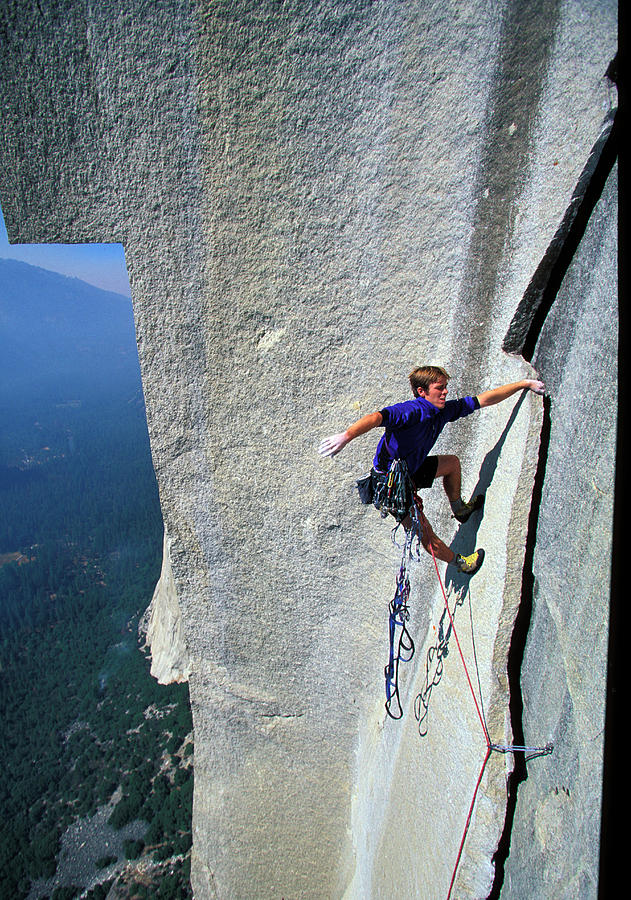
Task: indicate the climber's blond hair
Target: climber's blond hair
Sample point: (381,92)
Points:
(423,376)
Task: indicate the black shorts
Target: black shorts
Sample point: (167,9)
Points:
(424,476)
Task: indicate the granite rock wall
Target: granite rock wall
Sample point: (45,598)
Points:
(565,662)
(314,198)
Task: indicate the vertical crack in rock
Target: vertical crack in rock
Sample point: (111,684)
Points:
(516,656)
(522,337)
(514,106)
(540,294)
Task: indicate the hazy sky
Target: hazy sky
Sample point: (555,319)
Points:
(100,264)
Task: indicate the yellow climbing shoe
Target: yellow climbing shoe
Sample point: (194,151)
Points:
(469,565)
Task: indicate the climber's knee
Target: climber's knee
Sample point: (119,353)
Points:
(448,464)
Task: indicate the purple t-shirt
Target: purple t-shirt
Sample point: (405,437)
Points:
(412,429)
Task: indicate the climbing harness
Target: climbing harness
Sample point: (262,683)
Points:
(404,650)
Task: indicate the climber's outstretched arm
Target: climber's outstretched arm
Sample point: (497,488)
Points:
(489,398)
(336,442)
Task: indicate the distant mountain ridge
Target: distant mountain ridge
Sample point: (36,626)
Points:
(59,334)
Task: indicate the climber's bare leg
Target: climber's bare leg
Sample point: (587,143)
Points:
(449,470)
(441,550)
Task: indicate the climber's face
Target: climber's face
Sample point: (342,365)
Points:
(436,393)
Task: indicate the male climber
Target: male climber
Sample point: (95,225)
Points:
(411,430)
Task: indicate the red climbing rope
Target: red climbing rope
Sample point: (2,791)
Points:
(490,747)
(468,822)
(423,522)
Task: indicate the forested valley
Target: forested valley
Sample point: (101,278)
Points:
(98,757)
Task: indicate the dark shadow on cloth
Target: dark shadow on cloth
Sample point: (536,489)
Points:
(465,539)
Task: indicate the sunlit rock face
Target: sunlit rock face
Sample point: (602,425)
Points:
(313,199)
(566,653)
(163,628)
